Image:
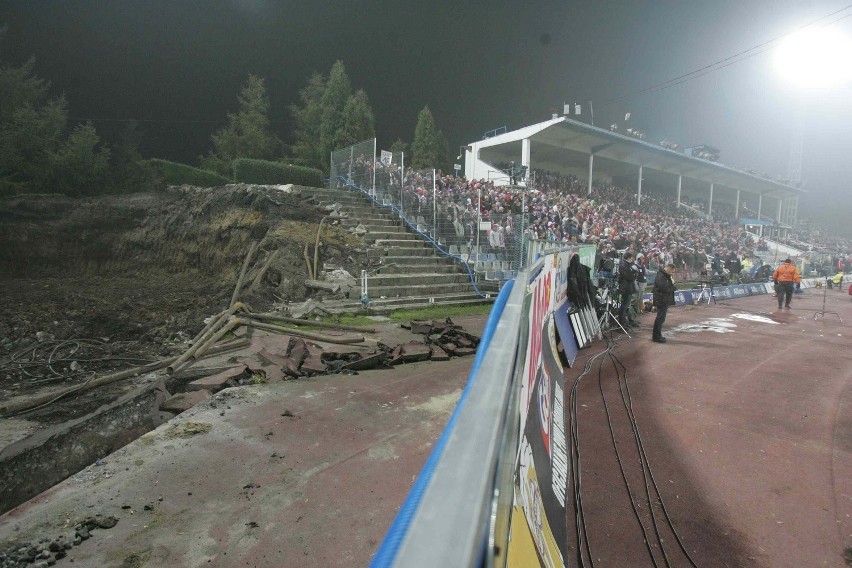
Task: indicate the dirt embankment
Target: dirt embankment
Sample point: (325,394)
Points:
(138,273)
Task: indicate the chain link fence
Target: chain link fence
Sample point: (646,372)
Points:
(460,217)
(354,164)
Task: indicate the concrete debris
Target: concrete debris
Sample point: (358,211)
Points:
(411,352)
(439,354)
(360,230)
(297,350)
(339,275)
(333,287)
(47,551)
(278,361)
(309,307)
(217,382)
(183,401)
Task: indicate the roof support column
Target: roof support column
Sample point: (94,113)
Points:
(679,185)
(525,153)
(591,170)
(639,188)
(759,205)
(710,204)
(780,204)
(737,209)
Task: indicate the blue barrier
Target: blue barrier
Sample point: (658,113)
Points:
(390,545)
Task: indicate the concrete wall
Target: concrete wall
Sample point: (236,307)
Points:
(40,461)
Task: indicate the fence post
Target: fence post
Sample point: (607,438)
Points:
(374,168)
(478,223)
(401,187)
(434,206)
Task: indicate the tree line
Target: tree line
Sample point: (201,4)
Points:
(41,153)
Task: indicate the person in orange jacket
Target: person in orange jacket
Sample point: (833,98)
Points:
(784,277)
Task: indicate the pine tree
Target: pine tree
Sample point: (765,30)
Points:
(337,93)
(358,121)
(430,148)
(399,146)
(247,134)
(79,168)
(307,151)
(34,153)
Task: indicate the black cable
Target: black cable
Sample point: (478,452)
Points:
(650,471)
(610,346)
(576,469)
(642,460)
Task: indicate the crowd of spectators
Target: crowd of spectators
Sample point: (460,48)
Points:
(560,208)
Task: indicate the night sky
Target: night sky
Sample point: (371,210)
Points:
(177,66)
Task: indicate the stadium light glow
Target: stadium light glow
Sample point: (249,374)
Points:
(816,58)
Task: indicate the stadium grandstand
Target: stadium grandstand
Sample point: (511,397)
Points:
(565,474)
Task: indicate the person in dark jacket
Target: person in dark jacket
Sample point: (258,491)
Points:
(626,288)
(664,290)
(638,303)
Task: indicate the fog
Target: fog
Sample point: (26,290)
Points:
(178,66)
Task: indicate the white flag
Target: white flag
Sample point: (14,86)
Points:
(578,110)
(627,116)
(387,157)
(566,109)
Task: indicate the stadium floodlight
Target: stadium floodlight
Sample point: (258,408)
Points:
(816,58)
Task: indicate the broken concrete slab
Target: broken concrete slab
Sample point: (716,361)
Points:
(371,361)
(439,354)
(411,352)
(268,358)
(289,368)
(215,383)
(183,401)
(297,350)
(313,366)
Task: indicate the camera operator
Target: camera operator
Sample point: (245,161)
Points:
(638,303)
(626,288)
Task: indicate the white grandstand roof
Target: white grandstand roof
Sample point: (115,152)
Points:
(561,142)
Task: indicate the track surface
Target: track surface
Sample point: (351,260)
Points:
(746,425)
(747,430)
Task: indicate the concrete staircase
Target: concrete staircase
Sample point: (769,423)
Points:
(412,273)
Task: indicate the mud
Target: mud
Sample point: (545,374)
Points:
(108,283)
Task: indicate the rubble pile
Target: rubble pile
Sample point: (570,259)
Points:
(47,551)
(285,358)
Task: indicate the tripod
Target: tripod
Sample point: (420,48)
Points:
(605,296)
(706,292)
(823,312)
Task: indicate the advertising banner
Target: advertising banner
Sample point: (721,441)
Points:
(542,471)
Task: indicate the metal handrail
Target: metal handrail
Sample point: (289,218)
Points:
(446,518)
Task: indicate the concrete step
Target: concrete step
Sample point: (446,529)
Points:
(412,268)
(417,279)
(415,250)
(386,305)
(337,197)
(371,222)
(408,291)
(403,243)
(359,210)
(404,260)
(393,235)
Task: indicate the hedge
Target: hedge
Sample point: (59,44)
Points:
(173,173)
(247,170)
